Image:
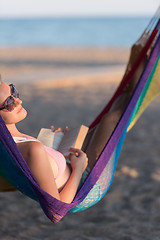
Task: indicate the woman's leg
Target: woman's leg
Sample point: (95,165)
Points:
(98,137)
(102,133)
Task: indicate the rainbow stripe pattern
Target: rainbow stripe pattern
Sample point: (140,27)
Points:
(15,172)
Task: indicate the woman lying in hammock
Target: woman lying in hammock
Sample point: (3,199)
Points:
(49,167)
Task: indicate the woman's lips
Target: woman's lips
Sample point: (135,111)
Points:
(20,109)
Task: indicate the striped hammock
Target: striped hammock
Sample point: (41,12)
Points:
(15,173)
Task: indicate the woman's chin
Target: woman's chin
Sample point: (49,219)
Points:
(23,114)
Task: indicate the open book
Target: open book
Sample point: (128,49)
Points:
(63,141)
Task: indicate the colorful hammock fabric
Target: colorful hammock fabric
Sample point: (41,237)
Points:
(15,171)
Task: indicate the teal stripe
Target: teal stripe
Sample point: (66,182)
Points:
(11,173)
(101,187)
(145,89)
(4,175)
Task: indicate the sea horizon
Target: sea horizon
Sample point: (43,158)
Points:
(73,32)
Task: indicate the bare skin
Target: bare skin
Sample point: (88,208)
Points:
(100,134)
(40,163)
(38,159)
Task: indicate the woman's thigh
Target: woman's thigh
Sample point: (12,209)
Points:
(101,135)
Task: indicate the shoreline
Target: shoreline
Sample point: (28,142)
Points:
(29,64)
(63,96)
(112,75)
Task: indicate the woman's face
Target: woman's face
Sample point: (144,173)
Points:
(18,113)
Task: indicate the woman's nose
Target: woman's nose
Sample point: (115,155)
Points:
(17,101)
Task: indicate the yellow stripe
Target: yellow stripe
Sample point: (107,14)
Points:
(153,91)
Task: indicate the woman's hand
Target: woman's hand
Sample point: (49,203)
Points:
(78,165)
(79,160)
(59,129)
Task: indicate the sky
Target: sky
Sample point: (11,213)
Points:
(44,8)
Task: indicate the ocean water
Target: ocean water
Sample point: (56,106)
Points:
(72,32)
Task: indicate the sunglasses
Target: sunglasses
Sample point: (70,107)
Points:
(9,103)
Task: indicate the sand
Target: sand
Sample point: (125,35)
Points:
(72,94)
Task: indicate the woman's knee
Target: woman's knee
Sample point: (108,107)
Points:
(111,117)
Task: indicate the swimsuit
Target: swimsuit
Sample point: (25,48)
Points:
(57,156)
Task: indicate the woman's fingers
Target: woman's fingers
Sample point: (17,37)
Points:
(66,129)
(52,128)
(76,151)
(58,130)
(79,159)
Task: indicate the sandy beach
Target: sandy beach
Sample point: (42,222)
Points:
(70,87)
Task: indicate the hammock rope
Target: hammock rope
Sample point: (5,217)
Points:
(14,169)
(128,76)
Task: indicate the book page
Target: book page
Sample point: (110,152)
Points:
(50,139)
(73,138)
(62,142)
(57,140)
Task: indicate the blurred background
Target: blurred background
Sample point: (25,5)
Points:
(67,57)
(50,44)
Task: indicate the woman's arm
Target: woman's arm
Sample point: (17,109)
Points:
(39,165)
(78,165)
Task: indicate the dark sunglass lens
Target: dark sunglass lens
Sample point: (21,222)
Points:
(14,91)
(9,104)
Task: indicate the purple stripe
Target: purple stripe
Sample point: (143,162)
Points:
(52,206)
(113,141)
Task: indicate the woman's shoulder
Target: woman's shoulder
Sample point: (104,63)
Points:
(30,145)
(35,147)
(31,150)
